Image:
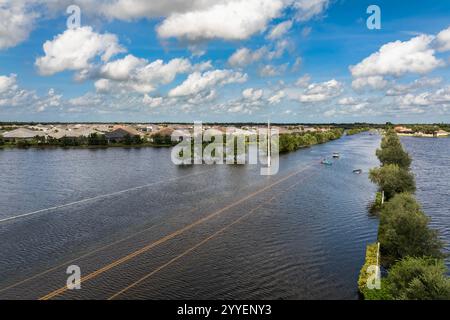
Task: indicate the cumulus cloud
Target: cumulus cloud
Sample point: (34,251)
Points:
(203,20)
(244,56)
(229,20)
(399,58)
(11,95)
(440,97)
(347,101)
(252,94)
(307,9)
(16,23)
(423,99)
(319,92)
(75,49)
(375,82)
(121,69)
(140,75)
(402,89)
(277,97)
(135,9)
(198,82)
(269,70)
(443,40)
(8,83)
(152,102)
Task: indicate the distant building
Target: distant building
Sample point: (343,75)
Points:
(22,134)
(442,133)
(120,133)
(403,130)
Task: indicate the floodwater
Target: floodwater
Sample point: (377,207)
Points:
(431,164)
(139,227)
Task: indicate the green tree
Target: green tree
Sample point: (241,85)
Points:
(392,179)
(419,279)
(392,151)
(96,139)
(138,139)
(404,231)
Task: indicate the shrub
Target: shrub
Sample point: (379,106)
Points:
(384,293)
(95,139)
(419,279)
(392,179)
(23,144)
(404,231)
(392,152)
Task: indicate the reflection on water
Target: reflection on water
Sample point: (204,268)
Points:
(304,236)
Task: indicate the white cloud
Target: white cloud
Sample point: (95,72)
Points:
(402,89)
(198,82)
(440,97)
(307,9)
(280,30)
(121,69)
(102,85)
(11,95)
(303,81)
(16,23)
(269,70)
(244,56)
(8,83)
(399,58)
(374,82)
(347,101)
(135,9)
(229,20)
(75,49)
(131,73)
(319,92)
(443,40)
(152,102)
(422,99)
(277,97)
(252,94)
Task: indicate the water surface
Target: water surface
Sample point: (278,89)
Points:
(298,235)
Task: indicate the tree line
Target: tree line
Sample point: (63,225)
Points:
(294,141)
(409,249)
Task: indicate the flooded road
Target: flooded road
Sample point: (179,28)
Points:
(140,227)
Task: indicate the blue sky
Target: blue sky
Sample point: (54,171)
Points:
(225,61)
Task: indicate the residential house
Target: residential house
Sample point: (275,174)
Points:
(120,133)
(22,134)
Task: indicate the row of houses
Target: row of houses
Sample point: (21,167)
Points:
(408,131)
(117,134)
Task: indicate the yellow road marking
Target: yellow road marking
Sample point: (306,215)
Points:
(193,248)
(64,264)
(169,237)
